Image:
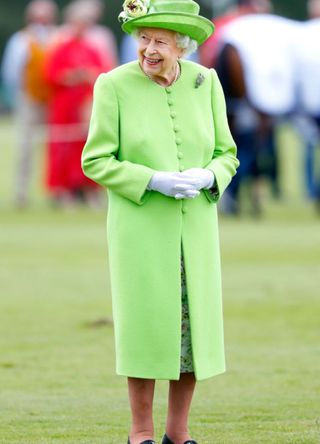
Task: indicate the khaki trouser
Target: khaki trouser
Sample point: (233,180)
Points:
(31,118)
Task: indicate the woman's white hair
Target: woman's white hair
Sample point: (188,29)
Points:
(187,43)
(183,41)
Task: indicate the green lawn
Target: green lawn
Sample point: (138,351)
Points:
(57,381)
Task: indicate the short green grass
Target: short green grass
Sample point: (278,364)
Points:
(57,381)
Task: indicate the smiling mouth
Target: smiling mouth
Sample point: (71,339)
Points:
(152,62)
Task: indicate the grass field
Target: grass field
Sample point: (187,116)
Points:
(57,381)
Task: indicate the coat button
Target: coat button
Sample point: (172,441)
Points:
(183,209)
(176,128)
(173,114)
(170,102)
(178,141)
(180,155)
(181,168)
(168,90)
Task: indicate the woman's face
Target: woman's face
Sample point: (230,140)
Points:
(158,52)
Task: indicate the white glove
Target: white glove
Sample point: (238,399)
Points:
(174,184)
(204,179)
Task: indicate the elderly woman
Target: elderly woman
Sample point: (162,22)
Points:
(160,142)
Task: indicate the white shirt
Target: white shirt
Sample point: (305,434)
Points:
(266,44)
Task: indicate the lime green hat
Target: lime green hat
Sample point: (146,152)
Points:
(177,15)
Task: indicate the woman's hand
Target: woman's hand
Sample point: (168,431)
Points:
(203,178)
(174,185)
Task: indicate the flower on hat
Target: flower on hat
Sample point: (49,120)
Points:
(133,9)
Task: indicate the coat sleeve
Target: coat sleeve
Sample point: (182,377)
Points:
(99,156)
(224,161)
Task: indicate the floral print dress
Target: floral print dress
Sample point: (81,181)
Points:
(186,360)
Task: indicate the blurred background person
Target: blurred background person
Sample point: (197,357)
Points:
(306,119)
(25,88)
(71,69)
(209,50)
(99,36)
(243,118)
(258,79)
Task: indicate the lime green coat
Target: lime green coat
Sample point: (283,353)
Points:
(138,127)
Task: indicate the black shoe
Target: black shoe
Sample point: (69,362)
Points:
(148,441)
(166,440)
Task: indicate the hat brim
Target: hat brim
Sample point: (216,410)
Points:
(197,27)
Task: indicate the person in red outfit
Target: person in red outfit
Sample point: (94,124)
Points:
(71,69)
